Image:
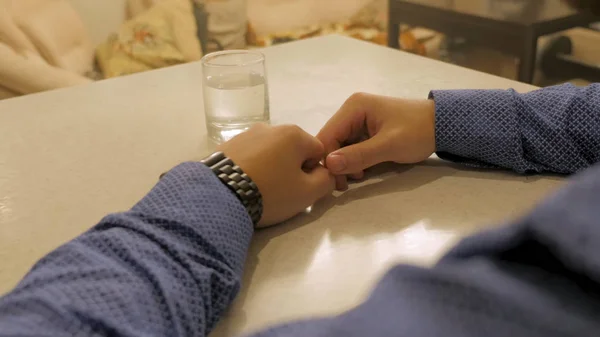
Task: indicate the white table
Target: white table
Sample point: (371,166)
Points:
(69,157)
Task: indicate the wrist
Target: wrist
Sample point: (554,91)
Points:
(441,116)
(430,111)
(188,189)
(238,182)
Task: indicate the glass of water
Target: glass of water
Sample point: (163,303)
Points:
(235,92)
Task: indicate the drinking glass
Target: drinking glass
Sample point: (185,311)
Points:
(235,92)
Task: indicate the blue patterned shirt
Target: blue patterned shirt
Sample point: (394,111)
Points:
(172,264)
(556,129)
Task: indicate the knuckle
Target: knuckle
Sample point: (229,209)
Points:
(297,130)
(357,97)
(319,145)
(258,127)
(292,130)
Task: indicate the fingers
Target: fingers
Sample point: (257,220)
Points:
(319,183)
(347,123)
(358,175)
(311,164)
(358,157)
(309,149)
(341,183)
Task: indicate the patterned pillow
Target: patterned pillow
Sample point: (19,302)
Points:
(164,35)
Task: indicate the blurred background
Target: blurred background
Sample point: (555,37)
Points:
(48,44)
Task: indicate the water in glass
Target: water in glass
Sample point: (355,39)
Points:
(235,93)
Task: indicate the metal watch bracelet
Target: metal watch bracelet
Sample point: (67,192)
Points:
(237,181)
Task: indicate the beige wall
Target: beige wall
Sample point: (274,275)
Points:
(101,17)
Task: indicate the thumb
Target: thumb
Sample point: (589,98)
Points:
(357,157)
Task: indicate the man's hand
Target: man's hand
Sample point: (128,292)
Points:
(369,129)
(283,161)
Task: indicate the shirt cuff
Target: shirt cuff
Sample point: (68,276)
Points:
(472,126)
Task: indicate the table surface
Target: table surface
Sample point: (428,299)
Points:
(523,11)
(70,156)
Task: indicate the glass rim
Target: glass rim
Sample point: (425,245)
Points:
(206,59)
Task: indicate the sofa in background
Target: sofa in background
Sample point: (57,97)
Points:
(43,46)
(49,44)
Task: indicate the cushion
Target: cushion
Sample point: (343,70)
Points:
(6,93)
(161,36)
(23,76)
(57,32)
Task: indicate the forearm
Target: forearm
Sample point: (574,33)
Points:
(555,129)
(168,267)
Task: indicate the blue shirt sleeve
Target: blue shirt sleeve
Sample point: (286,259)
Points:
(168,267)
(555,129)
(537,277)
(172,264)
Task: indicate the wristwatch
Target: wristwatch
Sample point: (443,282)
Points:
(238,182)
